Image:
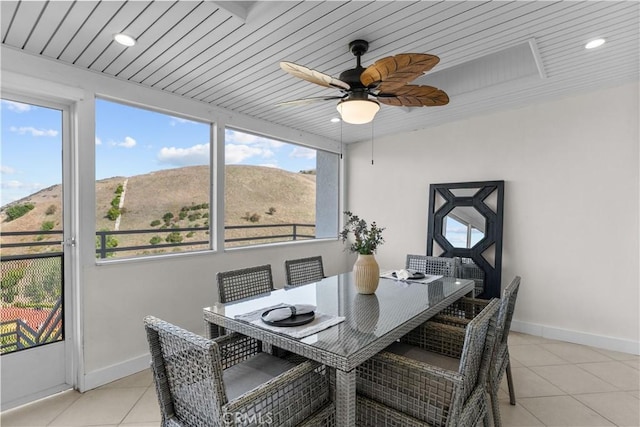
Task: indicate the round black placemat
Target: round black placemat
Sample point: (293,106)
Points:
(297,320)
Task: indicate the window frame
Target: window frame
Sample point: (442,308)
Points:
(211,246)
(339,193)
(218,123)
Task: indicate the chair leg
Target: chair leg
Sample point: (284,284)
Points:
(512,393)
(495,408)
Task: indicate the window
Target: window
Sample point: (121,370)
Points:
(152,182)
(277,191)
(31,200)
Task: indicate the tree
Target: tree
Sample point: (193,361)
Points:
(9,284)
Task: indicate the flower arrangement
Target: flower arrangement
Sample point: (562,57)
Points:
(367,239)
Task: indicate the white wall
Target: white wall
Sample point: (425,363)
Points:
(571,172)
(115,297)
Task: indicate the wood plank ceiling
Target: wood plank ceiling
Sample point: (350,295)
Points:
(227,53)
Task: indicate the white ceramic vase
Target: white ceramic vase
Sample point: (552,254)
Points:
(366,274)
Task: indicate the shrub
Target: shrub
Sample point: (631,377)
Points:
(51,210)
(195,216)
(271,210)
(191,234)
(47,225)
(16,211)
(116,201)
(119,189)
(155,222)
(164,227)
(174,237)
(254,217)
(167,217)
(155,240)
(205,215)
(113,213)
(182,214)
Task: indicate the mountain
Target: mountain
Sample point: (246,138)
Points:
(266,195)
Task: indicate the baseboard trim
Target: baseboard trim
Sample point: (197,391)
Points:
(576,337)
(115,372)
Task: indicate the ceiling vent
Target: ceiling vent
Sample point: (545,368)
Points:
(502,67)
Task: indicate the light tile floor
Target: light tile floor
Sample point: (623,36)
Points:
(557,384)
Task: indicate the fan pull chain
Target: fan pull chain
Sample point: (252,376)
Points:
(340,139)
(372,142)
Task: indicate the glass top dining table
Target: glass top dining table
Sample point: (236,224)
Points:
(371,322)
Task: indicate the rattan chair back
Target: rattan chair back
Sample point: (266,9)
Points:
(447,267)
(247,282)
(479,346)
(399,390)
(304,270)
(507,307)
(188,375)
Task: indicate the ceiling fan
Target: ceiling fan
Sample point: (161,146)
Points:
(386,81)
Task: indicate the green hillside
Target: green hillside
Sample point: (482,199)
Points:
(272,196)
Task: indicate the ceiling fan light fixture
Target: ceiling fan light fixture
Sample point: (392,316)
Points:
(358,111)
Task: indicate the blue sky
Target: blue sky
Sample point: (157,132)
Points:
(129,141)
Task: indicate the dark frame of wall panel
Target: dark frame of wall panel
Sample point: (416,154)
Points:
(493,232)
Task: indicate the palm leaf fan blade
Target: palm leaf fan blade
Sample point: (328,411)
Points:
(395,71)
(415,96)
(312,76)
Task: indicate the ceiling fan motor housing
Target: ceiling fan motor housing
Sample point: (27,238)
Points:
(352,76)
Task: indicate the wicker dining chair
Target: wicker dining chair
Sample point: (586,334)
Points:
(246,282)
(227,382)
(470,270)
(447,267)
(406,385)
(243,283)
(304,270)
(459,315)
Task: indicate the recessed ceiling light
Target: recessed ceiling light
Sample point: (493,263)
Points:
(335,120)
(594,44)
(124,39)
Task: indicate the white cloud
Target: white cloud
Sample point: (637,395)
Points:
(6,170)
(269,165)
(98,141)
(13,184)
(303,153)
(127,143)
(178,120)
(241,138)
(236,153)
(196,155)
(16,107)
(33,131)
